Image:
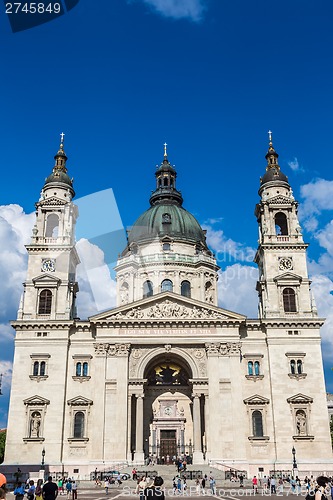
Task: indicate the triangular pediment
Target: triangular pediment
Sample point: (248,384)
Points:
(46,279)
(36,401)
(280,200)
(79,401)
(300,399)
(288,277)
(52,201)
(168,305)
(256,400)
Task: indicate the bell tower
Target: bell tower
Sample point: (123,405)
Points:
(283,286)
(50,288)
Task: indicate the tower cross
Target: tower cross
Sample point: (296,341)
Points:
(62,135)
(165,149)
(270,135)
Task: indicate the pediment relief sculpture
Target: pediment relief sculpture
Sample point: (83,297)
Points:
(168,309)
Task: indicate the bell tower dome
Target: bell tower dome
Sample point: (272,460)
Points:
(283,286)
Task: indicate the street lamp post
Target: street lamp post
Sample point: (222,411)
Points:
(293,451)
(42,465)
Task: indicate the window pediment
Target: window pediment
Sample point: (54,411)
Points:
(79,401)
(300,399)
(46,280)
(52,201)
(256,400)
(288,279)
(36,401)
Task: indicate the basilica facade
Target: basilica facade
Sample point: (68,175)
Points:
(167,371)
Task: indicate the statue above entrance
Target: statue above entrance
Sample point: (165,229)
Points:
(167,374)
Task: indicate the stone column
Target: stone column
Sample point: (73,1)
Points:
(197,451)
(139,454)
(207,443)
(129,428)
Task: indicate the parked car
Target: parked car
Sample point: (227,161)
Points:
(114,474)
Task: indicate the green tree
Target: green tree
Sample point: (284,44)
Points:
(2,445)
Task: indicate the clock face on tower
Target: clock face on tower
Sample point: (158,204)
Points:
(285,264)
(48,265)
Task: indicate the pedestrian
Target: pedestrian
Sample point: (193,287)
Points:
(61,486)
(273,485)
(39,489)
(141,486)
(264,483)
(134,474)
(74,490)
(50,490)
(31,490)
(320,491)
(179,484)
(212,484)
(203,483)
(241,481)
(3,487)
(19,491)
(154,492)
(197,486)
(69,489)
(106,485)
(255,484)
(174,485)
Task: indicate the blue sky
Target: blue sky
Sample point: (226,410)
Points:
(120,77)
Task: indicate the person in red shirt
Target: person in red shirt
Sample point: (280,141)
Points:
(255,484)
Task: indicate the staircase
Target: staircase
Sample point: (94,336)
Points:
(168,472)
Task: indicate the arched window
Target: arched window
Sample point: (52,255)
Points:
(257,424)
(185,289)
(299,366)
(256,368)
(45,302)
(79,424)
(42,368)
(36,368)
(85,369)
(281,225)
(250,368)
(78,371)
(292,366)
(148,289)
(289,300)
(165,181)
(166,246)
(52,226)
(166,286)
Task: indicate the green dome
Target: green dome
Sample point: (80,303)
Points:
(167,219)
(59,176)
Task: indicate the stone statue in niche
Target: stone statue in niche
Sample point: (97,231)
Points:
(301,423)
(35,422)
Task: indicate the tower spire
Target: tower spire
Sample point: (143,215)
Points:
(165,151)
(271,156)
(61,157)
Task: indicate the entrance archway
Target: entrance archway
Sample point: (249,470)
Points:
(168,429)
(168,408)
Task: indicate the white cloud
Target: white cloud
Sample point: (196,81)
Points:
(6,368)
(15,231)
(322,288)
(6,332)
(237,289)
(295,166)
(317,197)
(226,249)
(178,9)
(97,289)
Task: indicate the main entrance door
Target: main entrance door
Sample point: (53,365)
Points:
(168,443)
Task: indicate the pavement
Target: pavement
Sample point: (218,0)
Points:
(88,491)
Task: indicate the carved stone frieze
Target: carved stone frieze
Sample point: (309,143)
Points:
(168,309)
(223,348)
(106,349)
